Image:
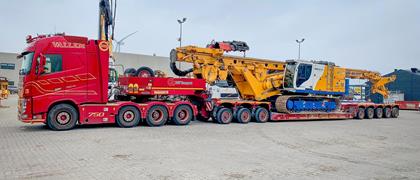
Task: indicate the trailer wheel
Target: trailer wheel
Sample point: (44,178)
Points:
(360,113)
(183,115)
(130,72)
(387,112)
(145,72)
(224,116)
(157,116)
(379,112)
(261,115)
(395,112)
(243,115)
(369,113)
(62,117)
(128,116)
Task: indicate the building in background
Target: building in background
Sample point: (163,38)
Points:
(9,67)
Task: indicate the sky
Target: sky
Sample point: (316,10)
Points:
(380,35)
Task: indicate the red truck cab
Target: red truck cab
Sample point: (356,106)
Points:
(64,81)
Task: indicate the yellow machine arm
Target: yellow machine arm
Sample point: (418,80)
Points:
(256,79)
(107,11)
(378,81)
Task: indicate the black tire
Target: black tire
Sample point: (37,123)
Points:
(224,116)
(261,115)
(130,72)
(243,115)
(369,113)
(387,112)
(145,72)
(360,113)
(128,116)
(395,112)
(379,112)
(62,117)
(183,114)
(157,115)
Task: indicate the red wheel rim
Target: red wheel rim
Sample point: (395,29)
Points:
(226,116)
(183,115)
(157,115)
(245,116)
(63,118)
(128,116)
(144,74)
(263,115)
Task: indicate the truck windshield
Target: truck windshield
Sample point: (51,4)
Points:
(26,63)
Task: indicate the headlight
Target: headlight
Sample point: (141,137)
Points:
(23,105)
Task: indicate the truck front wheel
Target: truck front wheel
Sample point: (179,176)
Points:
(62,117)
(128,116)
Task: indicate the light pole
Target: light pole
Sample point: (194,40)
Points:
(299,42)
(180,30)
(180,35)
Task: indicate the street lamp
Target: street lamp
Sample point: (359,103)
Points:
(180,30)
(180,35)
(299,42)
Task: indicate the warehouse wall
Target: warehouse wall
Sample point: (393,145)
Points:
(407,82)
(9,67)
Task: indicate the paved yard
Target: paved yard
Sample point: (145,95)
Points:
(342,149)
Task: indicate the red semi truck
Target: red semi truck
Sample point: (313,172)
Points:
(64,81)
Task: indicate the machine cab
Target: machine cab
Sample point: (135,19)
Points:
(302,75)
(314,77)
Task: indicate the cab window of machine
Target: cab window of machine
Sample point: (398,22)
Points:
(53,63)
(304,73)
(289,76)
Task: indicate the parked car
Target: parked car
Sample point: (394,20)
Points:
(13,89)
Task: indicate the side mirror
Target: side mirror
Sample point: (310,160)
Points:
(42,62)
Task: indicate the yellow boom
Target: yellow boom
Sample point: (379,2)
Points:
(255,79)
(378,81)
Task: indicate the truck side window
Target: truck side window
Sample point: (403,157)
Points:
(54,63)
